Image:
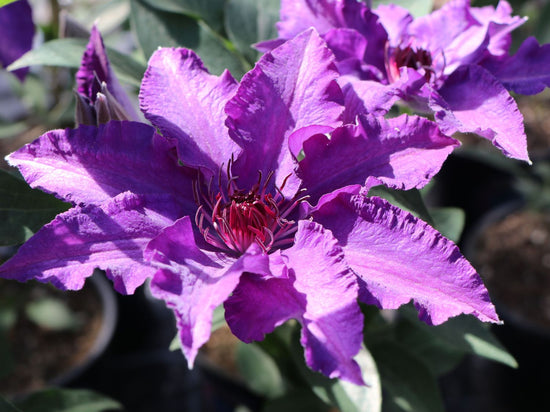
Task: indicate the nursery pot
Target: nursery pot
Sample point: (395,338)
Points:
(510,248)
(42,357)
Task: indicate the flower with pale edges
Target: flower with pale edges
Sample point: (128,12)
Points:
(251,195)
(454,63)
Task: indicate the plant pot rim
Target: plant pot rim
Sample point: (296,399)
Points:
(109,319)
(508,314)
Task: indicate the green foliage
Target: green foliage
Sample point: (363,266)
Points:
(409,384)
(68,53)
(250,21)
(157,28)
(211,11)
(416,7)
(6,406)
(409,200)
(259,370)
(6,2)
(52,314)
(449,221)
(23,210)
(67,400)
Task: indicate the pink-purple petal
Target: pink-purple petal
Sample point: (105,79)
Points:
(403,153)
(322,296)
(473,100)
(395,20)
(499,23)
(399,258)
(93,164)
(299,15)
(526,72)
(111,237)
(259,304)
(193,282)
(291,87)
(180,97)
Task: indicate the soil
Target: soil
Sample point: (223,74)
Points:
(220,350)
(40,355)
(513,257)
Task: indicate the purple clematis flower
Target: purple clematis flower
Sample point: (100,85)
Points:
(219,208)
(99,96)
(17,32)
(454,63)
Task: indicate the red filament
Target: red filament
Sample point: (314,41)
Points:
(233,219)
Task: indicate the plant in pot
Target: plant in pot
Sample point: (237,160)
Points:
(510,247)
(150,197)
(48,338)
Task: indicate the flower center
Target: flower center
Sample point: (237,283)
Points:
(418,59)
(233,219)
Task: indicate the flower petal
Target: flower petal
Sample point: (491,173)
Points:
(473,100)
(291,87)
(499,22)
(111,237)
(526,72)
(397,257)
(451,34)
(186,103)
(403,153)
(194,282)
(299,15)
(92,164)
(95,69)
(395,20)
(17,30)
(323,297)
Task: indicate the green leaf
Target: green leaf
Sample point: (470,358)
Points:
(407,380)
(466,334)
(449,221)
(67,400)
(347,397)
(436,353)
(251,21)
(156,28)
(6,2)
(417,8)
(68,53)
(409,200)
(7,362)
(52,314)
(211,11)
(58,52)
(23,210)
(5,406)
(259,370)
(296,401)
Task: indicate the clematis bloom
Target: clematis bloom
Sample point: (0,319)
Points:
(454,63)
(253,195)
(17,32)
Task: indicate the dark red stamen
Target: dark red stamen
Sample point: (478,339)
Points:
(233,219)
(416,58)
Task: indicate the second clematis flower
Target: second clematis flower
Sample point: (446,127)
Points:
(454,63)
(251,195)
